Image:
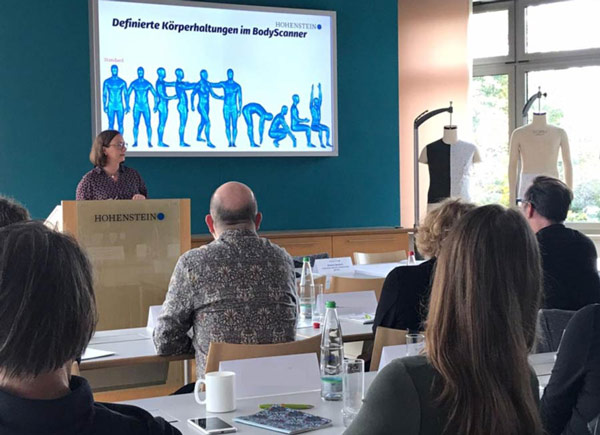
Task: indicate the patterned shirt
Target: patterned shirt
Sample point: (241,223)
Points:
(239,288)
(97,184)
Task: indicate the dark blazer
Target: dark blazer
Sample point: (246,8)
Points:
(569,261)
(572,398)
(404,297)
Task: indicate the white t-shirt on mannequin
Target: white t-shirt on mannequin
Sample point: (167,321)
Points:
(536,145)
(450,161)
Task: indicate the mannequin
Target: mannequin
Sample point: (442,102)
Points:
(450,161)
(536,146)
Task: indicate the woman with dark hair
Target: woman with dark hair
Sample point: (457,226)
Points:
(405,294)
(473,377)
(47,317)
(110,179)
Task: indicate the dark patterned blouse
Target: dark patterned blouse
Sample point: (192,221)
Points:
(238,289)
(97,184)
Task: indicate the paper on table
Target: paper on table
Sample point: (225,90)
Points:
(275,374)
(352,302)
(364,318)
(95,353)
(330,266)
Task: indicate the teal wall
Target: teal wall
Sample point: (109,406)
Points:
(45,123)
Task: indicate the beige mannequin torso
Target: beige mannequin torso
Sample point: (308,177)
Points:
(537,145)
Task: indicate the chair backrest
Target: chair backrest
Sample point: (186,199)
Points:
(379,257)
(281,374)
(385,337)
(344,284)
(550,326)
(218,352)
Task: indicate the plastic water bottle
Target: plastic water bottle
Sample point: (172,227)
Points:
(307,286)
(411,259)
(332,355)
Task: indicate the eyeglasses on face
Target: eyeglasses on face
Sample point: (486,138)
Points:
(521,202)
(120,146)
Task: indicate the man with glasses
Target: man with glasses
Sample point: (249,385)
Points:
(569,258)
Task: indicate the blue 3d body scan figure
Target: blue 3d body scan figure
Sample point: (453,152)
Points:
(315,111)
(182,107)
(297,123)
(141,87)
(232,105)
(161,104)
(204,91)
(248,111)
(112,98)
(279,128)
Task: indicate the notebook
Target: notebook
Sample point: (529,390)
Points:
(284,420)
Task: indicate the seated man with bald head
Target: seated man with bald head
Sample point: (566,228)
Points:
(240,288)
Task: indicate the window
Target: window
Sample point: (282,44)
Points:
(566,25)
(489,32)
(553,45)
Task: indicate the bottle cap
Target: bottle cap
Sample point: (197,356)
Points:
(305,259)
(316,325)
(330,304)
(411,253)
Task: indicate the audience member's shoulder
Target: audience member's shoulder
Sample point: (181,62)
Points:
(424,269)
(403,369)
(126,419)
(587,317)
(276,248)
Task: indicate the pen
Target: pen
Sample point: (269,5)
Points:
(286,405)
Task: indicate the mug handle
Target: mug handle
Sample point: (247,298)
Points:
(199,382)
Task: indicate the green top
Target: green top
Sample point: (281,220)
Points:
(400,401)
(330,304)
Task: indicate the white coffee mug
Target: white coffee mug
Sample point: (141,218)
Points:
(220,391)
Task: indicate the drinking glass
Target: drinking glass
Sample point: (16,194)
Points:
(414,344)
(353,388)
(318,306)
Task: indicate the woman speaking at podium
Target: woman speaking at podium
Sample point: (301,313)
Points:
(110,179)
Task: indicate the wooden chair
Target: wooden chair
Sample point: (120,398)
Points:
(218,352)
(75,369)
(379,257)
(385,337)
(340,284)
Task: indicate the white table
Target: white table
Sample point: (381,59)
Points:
(379,270)
(184,406)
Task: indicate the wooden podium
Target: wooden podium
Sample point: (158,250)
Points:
(133,247)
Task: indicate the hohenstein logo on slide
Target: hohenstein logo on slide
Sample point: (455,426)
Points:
(290,25)
(129,217)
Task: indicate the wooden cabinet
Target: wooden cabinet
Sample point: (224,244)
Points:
(346,245)
(336,243)
(297,246)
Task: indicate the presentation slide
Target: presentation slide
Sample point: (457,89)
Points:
(201,79)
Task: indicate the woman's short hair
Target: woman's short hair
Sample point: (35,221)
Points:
(481,323)
(437,224)
(103,140)
(47,305)
(11,211)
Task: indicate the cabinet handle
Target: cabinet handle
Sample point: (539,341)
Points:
(370,240)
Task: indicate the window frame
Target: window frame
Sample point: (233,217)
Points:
(519,63)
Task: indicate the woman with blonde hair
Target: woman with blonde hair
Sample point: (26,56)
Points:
(473,377)
(405,294)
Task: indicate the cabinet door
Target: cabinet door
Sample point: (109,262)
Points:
(345,246)
(297,246)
